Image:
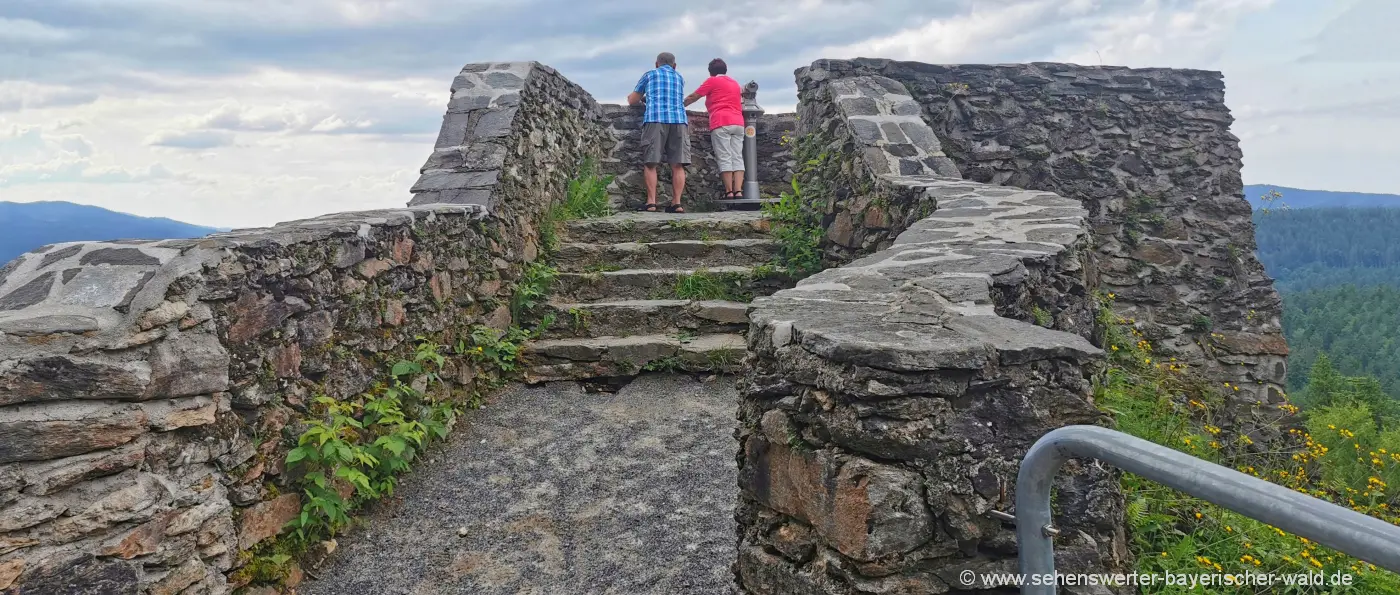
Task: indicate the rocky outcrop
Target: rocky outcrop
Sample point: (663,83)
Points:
(149,391)
(1149,153)
(888,402)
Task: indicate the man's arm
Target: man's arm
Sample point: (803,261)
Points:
(635,97)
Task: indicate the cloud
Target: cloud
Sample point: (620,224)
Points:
(25,31)
(1364,33)
(33,156)
(264,110)
(190,139)
(1118,32)
(22,95)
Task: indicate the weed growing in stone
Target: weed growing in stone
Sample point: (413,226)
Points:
(798,232)
(532,290)
(586,197)
(602,267)
(721,359)
(1042,317)
(666,364)
(579,318)
(704,285)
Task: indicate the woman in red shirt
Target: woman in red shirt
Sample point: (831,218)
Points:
(723,101)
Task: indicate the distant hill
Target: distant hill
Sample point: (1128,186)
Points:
(1297,198)
(29,225)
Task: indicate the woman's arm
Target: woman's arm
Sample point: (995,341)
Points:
(703,91)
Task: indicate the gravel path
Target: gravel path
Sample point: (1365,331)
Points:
(562,492)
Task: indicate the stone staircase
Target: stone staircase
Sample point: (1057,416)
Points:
(654,291)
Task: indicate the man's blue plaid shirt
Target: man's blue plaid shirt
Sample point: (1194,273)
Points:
(665,95)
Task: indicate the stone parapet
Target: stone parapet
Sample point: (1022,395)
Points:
(150,390)
(888,401)
(1149,153)
(513,131)
(703,183)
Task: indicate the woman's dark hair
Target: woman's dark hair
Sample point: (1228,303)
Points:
(718,67)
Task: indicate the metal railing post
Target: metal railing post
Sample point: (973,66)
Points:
(1348,531)
(752,112)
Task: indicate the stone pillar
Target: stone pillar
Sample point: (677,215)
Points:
(752,112)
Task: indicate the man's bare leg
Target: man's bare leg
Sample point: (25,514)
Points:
(677,183)
(649,176)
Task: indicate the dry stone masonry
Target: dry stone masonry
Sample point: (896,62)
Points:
(888,401)
(1149,153)
(149,391)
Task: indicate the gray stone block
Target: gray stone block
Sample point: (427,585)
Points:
(866,131)
(444,181)
(495,123)
(122,256)
(859,106)
(468,196)
(103,287)
(188,364)
(46,325)
(921,136)
(893,133)
(467,101)
(484,156)
(454,130)
(33,292)
(59,254)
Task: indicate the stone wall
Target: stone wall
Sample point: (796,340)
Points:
(149,391)
(866,153)
(1149,153)
(703,183)
(887,403)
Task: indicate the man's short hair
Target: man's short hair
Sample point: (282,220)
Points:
(718,67)
(666,59)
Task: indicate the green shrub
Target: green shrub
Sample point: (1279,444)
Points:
(361,445)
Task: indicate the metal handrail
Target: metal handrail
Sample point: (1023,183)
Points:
(1364,537)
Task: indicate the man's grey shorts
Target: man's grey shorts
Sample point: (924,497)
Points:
(729,147)
(665,143)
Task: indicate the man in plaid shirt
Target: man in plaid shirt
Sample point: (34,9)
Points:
(665,136)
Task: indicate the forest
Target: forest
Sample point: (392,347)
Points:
(1338,270)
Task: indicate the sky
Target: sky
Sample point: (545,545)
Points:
(239,113)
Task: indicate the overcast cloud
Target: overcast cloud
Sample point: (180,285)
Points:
(247,112)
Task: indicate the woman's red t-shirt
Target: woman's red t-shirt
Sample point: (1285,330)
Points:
(723,101)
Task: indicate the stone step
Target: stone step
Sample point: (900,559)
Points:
(734,283)
(626,318)
(602,357)
(668,227)
(578,257)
